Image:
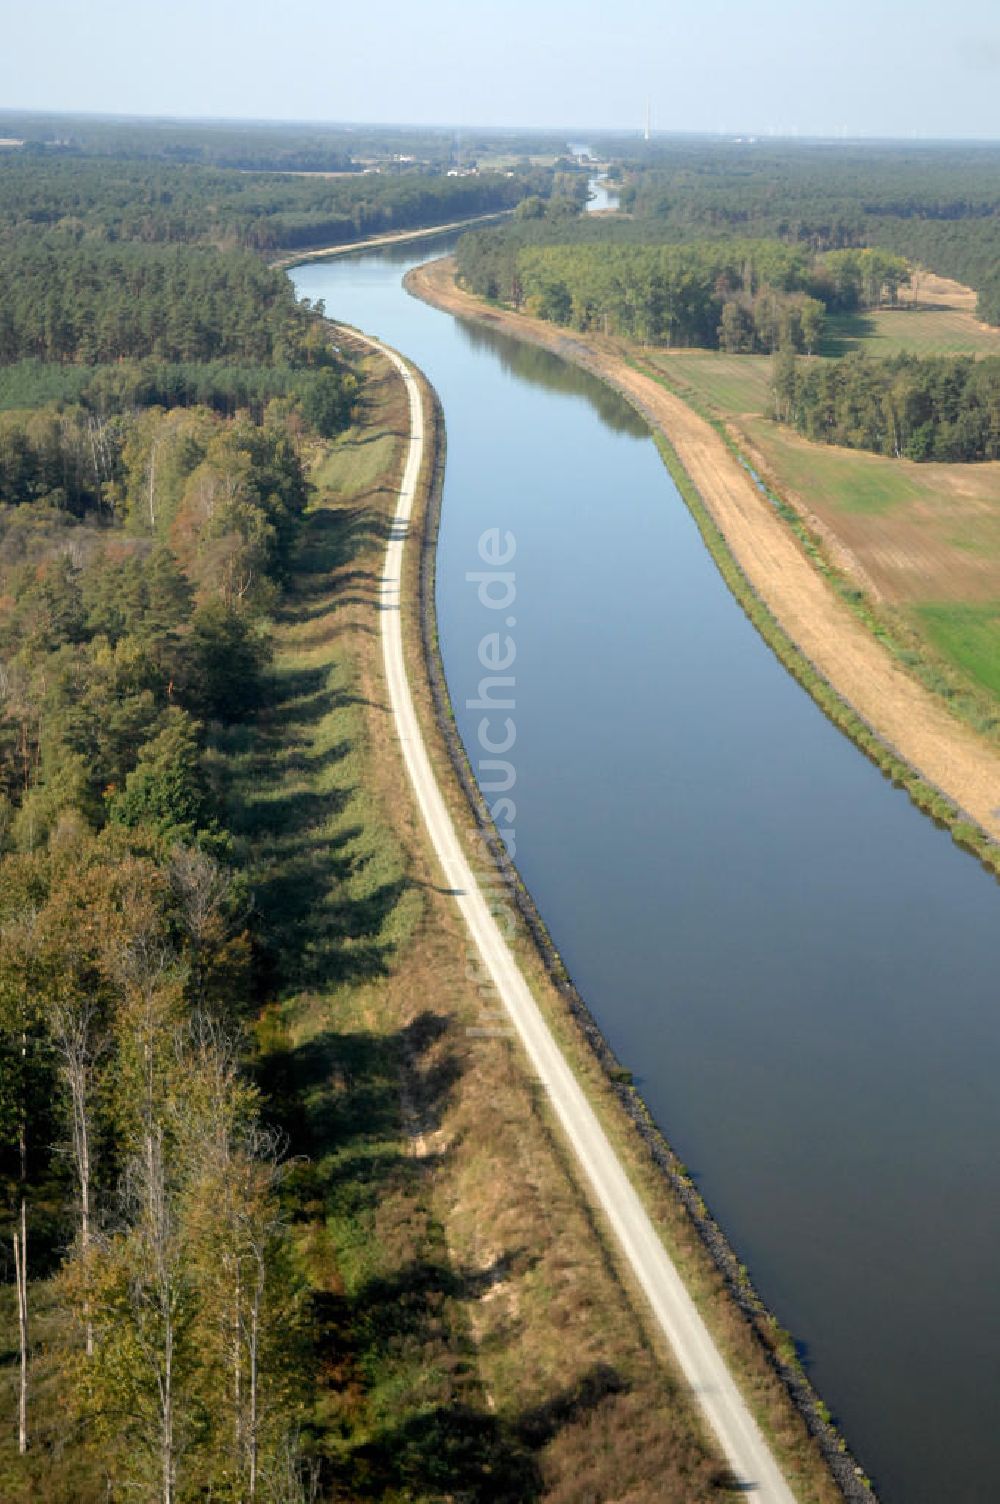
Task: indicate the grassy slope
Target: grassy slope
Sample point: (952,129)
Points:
(475,1339)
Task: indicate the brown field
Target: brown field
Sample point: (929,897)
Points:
(928,289)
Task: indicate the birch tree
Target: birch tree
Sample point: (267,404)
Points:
(23,1087)
(75,1024)
(238,1248)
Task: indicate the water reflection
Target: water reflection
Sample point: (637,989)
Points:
(542,369)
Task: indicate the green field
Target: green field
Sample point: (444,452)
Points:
(733,384)
(969,636)
(919,331)
(738,386)
(842,478)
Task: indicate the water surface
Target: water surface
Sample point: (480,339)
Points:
(601,197)
(800,968)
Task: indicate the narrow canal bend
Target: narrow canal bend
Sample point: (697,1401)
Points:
(799,967)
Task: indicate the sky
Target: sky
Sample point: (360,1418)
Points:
(901,68)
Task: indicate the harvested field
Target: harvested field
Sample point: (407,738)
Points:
(927,289)
(908,532)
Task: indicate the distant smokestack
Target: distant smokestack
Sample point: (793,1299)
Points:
(649,121)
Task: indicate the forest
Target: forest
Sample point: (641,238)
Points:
(67,301)
(738,295)
(140,560)
(153,201)
(120,325)
(905,406)
(160,400)
(937,205)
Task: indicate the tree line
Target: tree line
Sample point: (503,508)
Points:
(266,146)
(905,406)
(738,295)
(138,1176)
(321,392)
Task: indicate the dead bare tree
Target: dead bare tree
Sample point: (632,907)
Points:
(236,1170)
(157,1293)
(200,886)
(148,973)
(258,1226)
(152,483)
(19,1007)
(21,1281)
(206,895)
(79,1042)
(292,1478)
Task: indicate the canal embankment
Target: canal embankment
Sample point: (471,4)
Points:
(947,769)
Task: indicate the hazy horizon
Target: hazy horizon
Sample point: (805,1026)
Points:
(576,132)
(888,71)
